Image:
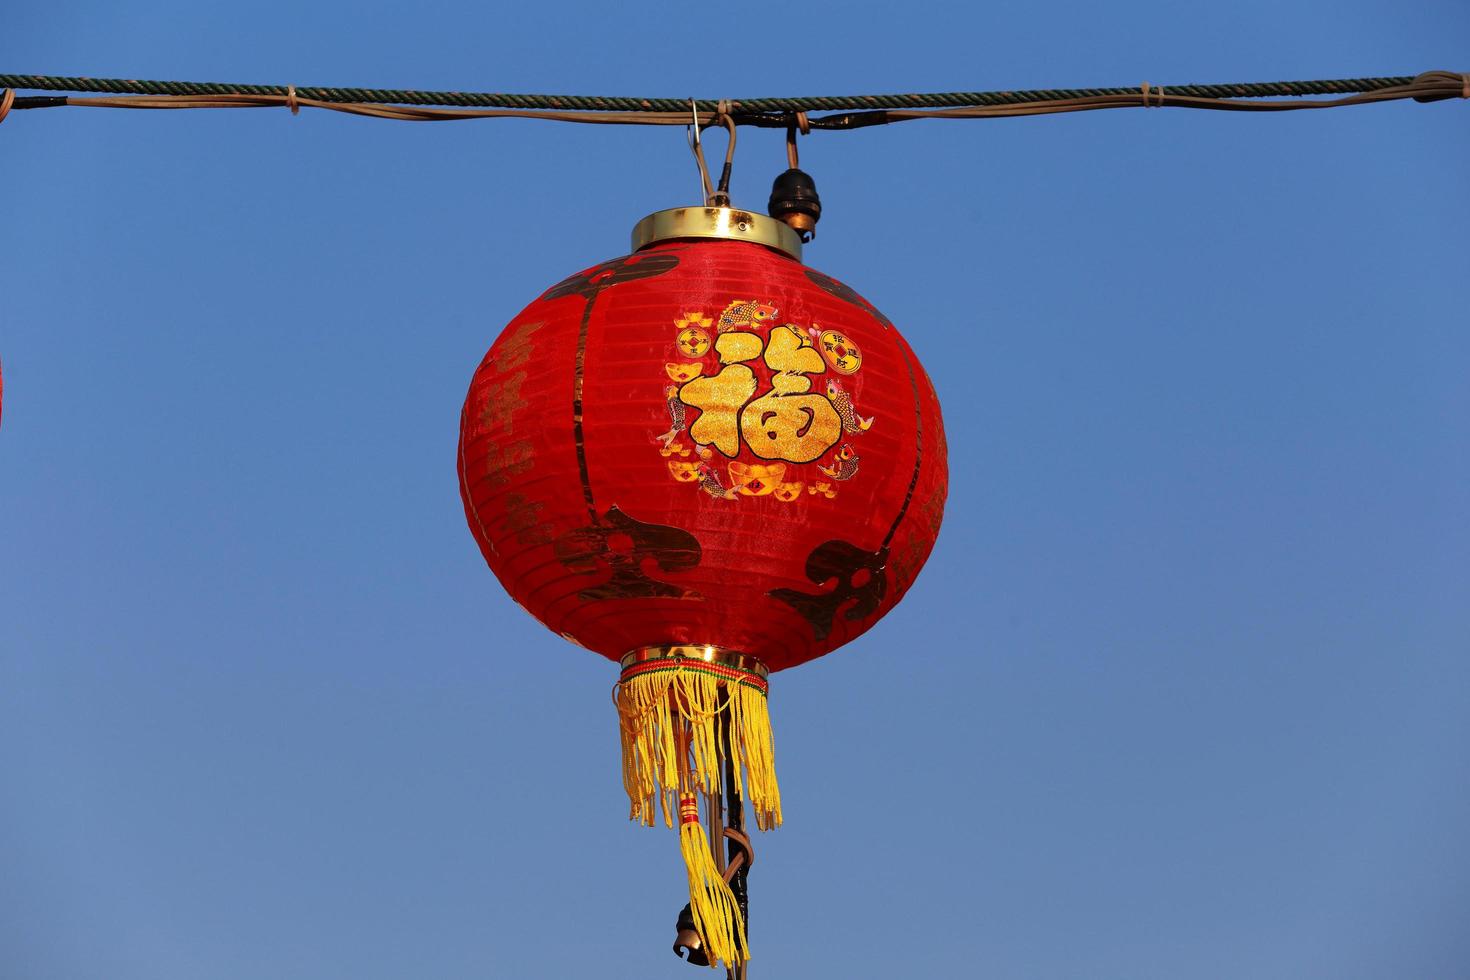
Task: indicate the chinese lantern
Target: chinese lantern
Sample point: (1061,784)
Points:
(708,463)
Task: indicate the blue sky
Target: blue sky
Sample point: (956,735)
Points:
(1183,692)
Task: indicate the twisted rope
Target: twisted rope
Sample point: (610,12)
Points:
(854,110)
(603,103)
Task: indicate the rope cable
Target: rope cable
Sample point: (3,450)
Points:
(602,103)
(851,112)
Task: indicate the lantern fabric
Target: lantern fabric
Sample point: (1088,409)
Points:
(708,462)
(703,443)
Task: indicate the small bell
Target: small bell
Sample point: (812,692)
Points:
(689,940)
(794,200)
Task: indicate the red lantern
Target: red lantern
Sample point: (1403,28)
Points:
(708,462)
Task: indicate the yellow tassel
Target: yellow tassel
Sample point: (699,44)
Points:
(650,706)
(716,914)
(675,746)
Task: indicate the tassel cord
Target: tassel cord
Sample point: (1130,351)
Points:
(651,704)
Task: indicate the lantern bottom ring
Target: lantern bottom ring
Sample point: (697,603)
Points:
(741,666)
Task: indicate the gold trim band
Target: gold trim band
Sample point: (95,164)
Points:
(705,654)
(731,223)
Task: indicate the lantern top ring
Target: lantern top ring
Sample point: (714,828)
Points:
(700,654)
(731,223)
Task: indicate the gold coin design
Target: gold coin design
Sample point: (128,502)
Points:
(840,353)
(693,341)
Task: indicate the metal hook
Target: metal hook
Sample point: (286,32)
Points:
(721,195)
(715,195)
(691,134)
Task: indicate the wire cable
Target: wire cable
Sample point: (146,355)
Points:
(851,112)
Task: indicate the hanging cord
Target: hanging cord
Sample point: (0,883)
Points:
(696,146)
(739,854)
(718,195)
(866,110)
(722,189)
(798,121)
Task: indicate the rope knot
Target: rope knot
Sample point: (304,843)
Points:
(1441,85)
(291,102)
(6,101)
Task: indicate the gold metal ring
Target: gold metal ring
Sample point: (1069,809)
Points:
(704,654)
(730,223)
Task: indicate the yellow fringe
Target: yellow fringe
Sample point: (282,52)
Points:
(651,704)
(675,747)
(717,916)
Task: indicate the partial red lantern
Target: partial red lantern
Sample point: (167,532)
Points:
(708,462)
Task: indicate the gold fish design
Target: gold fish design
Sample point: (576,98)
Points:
(744,313)
(709,481)
(676,417)
(851,421)
(847,464)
